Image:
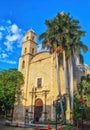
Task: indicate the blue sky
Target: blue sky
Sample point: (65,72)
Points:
(18,16)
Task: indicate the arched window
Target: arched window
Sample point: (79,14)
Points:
(25,50)
(32,50)
(39,82)
(23,64)
(32,38)
(27,37)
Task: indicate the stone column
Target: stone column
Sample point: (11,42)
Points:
(52,110)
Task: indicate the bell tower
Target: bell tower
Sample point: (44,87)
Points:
(29,49)
(29,45)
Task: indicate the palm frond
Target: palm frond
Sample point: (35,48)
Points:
(81,59)
(42,36)
(83,47)
(64,31)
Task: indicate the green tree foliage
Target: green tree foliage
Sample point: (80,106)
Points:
(10,86)
(84,86)
(84,93)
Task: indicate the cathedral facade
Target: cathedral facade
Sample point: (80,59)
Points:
(40,89)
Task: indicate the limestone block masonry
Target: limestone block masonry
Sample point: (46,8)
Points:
(40,89)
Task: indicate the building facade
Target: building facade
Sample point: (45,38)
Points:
(40,88)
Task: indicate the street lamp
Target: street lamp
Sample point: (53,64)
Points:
(45,94)
(33,94)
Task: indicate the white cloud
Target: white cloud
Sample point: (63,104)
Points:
(14,40)
(3,55)
(11,37)
(8,61)
(14,28)
(9,46)
(3,59)
(40,48)
(2,28)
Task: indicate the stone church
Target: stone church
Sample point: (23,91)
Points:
(40,89)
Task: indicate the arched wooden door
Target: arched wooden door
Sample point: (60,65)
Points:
(38,109)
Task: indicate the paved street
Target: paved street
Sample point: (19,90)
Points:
(3,127)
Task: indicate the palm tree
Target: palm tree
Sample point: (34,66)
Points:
(63,34)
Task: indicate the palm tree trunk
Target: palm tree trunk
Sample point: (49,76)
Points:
(71,82)
(59,87)
(70,72)
(67,89)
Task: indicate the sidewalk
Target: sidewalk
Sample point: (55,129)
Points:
(28,125)
(39,126)
(2,121)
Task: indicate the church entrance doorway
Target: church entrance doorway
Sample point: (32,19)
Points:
(38,109)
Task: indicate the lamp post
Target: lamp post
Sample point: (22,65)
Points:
(33,96)
(45,93)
